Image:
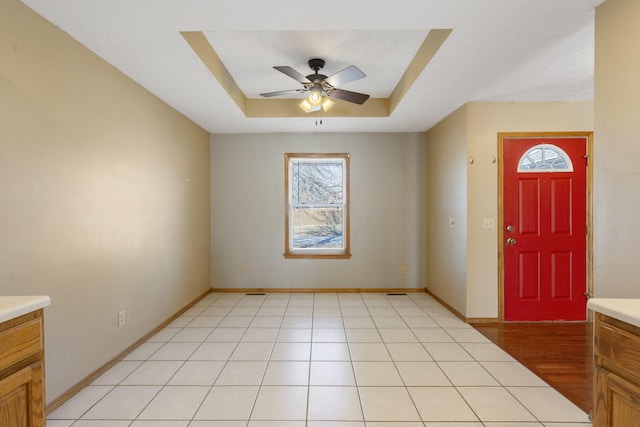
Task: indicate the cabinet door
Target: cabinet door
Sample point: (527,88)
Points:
(617,401)
(21,398)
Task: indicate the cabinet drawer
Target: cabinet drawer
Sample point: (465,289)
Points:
(618,346)
(21,342)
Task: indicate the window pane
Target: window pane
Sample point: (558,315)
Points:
(545,157)
(316,183)
(319,228)
(317,197)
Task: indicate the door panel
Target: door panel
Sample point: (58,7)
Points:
(544,214)
(561,198)
(561,267)
(529,209)
(529,276)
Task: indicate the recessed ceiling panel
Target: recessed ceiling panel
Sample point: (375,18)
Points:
(498,50)
(250,56)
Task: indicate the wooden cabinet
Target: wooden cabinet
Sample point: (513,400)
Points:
(617,373)
(22,399)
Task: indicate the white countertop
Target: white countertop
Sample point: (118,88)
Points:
(14,306)
(625,309)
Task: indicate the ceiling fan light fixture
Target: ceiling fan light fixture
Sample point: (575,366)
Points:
(307,107)
(327,104)
(315,97)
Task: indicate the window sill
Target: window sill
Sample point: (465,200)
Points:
(316,256)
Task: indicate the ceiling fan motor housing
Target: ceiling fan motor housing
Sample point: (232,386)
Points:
(316,64)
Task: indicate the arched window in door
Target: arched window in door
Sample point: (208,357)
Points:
(545,158)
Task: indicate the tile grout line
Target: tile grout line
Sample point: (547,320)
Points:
(341,305)
(224,364)
(184,362)
(113,387)
(353,370)
(406,388)
(255,399)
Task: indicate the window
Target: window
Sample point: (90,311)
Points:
(545,158)
(317,206)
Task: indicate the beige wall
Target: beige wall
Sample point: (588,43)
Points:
(617,150)
(105,197)
(387,211)
(447,199)
(483,122)
(105,194)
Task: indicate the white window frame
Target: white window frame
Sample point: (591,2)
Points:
(561,155)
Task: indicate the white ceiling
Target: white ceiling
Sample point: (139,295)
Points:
(499,50)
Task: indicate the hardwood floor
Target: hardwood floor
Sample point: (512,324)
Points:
(559,353)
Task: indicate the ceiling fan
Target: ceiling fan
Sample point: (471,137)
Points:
(320,86)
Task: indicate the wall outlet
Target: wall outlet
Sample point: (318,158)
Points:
(403,269)
(243,269)
(121,318)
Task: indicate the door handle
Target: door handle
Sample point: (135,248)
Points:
(511,241)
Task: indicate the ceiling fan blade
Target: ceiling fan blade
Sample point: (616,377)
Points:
(280,92)
(347,95)
(292,73)
(349,74)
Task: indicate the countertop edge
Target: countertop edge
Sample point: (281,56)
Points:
(624,309)
(15,306)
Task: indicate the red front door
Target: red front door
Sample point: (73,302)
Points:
(544,219)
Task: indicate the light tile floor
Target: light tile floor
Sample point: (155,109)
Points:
(318,360)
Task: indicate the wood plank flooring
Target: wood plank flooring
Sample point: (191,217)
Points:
(559,353)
